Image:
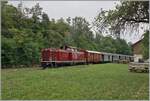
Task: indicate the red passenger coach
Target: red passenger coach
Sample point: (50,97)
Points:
(93,56)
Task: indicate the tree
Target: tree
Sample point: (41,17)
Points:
(62,27)
(81,34)
(122,47)
(20,45)
(8,56)
(36,10)
(145,45)
(45,21)
(68,20)
(108,44)
(24,34)
(126,16)
(8,17)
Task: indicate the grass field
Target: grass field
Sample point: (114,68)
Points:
(100,81)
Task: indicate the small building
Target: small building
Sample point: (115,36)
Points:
(137,51)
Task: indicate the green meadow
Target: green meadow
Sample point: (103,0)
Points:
(83,82)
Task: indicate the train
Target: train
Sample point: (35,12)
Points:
(68,55)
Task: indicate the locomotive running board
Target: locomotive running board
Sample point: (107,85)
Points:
(62,61)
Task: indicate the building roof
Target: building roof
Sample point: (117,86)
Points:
(137,42)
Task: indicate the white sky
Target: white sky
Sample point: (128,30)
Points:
(87,9)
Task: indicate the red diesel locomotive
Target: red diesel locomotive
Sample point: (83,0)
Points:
(68,56)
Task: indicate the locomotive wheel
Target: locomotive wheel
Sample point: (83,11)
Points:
(55,64)
(60,65)
(44,66)
(87,63)
(51,65)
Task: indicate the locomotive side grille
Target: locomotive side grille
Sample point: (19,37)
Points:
(53,54)
(50,58)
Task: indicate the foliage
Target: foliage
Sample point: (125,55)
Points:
(145,45)
(85,82)
(109,44)
(81,34)
(24,34)
(126,16)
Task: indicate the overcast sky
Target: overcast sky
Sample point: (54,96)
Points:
(86,9)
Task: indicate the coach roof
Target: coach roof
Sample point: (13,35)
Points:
(93,52)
